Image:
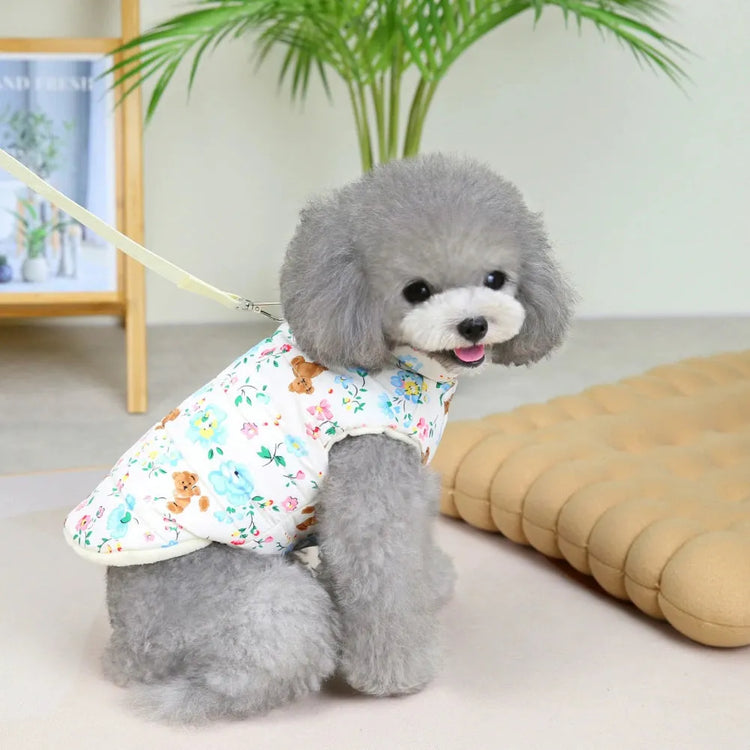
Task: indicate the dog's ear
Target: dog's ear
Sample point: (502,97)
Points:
(325,294)
(548,300)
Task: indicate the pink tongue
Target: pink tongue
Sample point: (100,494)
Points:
(470,353)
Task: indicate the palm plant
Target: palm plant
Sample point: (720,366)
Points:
(371,45)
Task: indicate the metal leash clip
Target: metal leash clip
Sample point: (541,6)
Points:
(247,305)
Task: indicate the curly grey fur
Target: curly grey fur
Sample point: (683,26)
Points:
(444,219)
(219,633)
(226,633)
(376,543)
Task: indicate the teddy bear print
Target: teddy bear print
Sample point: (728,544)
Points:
(304,373)
(310,520)
(169,418)
(185,489)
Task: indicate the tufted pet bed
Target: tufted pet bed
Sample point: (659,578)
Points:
(643,484)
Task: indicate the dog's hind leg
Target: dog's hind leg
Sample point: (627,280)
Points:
(218,633)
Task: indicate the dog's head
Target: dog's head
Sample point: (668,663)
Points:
(434,252)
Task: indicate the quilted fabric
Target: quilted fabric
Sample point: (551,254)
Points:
(643,484)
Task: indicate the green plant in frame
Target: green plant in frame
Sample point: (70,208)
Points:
(31,137)
(35,230)
(371,45)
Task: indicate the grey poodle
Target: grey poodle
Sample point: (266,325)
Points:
(435,253)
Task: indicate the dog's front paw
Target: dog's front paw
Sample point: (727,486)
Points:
(390,670)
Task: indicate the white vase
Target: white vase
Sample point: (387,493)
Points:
(9,191)
(35,270)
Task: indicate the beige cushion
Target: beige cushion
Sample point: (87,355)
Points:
(643,484)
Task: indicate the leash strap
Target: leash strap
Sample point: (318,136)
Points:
(150,260)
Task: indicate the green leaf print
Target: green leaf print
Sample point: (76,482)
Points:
(264,452)
(238,400)
(210,453)
(280,460)
(258,499)
(220,451)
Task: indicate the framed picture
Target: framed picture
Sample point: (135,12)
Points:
(57,117)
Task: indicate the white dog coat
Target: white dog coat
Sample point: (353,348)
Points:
(240,461)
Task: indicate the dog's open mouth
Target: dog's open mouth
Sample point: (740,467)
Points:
(469,356)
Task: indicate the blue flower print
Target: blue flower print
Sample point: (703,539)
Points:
(206,426)
(410,362)
(344,381)
(232,480)
(295,445)
(120,517)
(409,386)
(386,406)
(172,455)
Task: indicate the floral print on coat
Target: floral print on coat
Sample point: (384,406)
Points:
(240,460)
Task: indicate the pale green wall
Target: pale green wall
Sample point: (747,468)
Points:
(645,189)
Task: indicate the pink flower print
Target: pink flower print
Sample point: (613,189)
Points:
(266,352)
(249,430)
(83,523)
(321,411)
(121,482)
(290,503)
(312,430)
(422,428)
(286,348)
(299,475)
(268,539)
(100,511)
(149,536)
(237,542)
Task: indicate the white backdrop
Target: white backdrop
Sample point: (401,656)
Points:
(644,188)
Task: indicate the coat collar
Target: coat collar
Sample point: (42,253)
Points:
(412,360)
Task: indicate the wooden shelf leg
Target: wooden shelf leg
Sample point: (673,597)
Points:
(135,338)
(135,291)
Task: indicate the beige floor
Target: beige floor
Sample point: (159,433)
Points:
(533,660)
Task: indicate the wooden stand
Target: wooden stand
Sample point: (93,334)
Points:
(128,301)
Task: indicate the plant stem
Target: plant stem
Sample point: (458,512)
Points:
(420,105)
(365,140)
(395,103)
(362,138)
(411,123)
(378,101)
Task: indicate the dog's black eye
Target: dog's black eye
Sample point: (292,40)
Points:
(417,291)
(495,280)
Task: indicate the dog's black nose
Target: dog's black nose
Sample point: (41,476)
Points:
(473,329)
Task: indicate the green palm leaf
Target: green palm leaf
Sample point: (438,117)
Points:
(370,44)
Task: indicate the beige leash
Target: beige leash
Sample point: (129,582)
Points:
(150,260)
